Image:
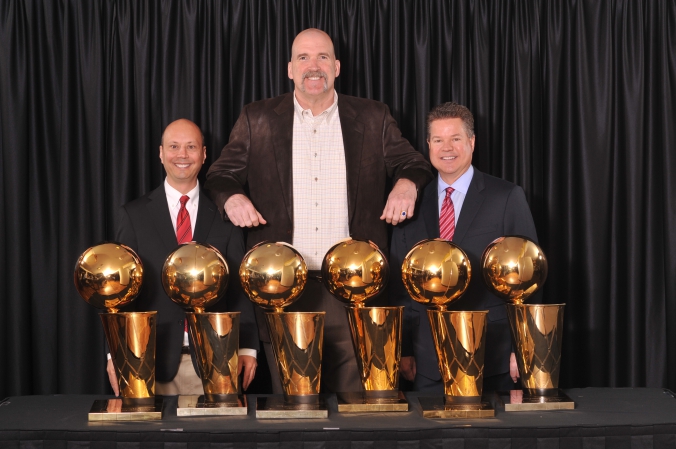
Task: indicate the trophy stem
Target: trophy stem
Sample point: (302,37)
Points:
(131,339)
(215,338)
(297,339)
(460,342)
(536,332)
(376,338)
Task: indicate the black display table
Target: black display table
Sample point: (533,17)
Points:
(603,418)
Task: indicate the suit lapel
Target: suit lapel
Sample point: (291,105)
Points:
(159,213)
(470,206)
(281,127)
(353,142)
(205,217)
(429,208)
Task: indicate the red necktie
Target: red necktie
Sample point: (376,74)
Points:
(447,217)
(183,228)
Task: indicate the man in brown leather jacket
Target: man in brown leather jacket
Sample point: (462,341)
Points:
(315,165)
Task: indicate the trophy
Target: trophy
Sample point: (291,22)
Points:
(274,275)
(109,276)
(355,271)
(436,272)
(195,276)
(514,268)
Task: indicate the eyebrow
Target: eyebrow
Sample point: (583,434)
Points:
(307,54)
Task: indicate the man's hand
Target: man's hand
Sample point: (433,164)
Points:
(513,368)
(112,377)
(401,202)
(242,212)
(407,368)
(248,364)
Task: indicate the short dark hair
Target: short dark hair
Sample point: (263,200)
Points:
(452,110)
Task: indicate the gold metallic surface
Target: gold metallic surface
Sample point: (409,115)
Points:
(376,338)
(460,342)
(273,275)
(354,271)
(437,408)
(216,341)
(104,410)
(436,272)
(131,340)
(276,407)
(194,405)
(297,343)
(359,402)
(108,276)
(537,331)
(520,401)
(514,268)
(195,275)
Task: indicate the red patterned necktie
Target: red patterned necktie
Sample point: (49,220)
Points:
(447,217)
(183,228)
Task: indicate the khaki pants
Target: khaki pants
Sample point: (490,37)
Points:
(186,381)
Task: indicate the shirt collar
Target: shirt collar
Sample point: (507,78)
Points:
(461,184)
(303,114)
(174,196)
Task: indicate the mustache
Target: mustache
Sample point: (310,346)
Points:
(314,73)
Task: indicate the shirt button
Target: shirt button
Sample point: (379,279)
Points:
(315,131)
(315,179)
(316,229)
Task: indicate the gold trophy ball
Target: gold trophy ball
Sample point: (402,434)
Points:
(195,275)
(108,276)
(273,275)
(436,272)
(514,268)
(355,271)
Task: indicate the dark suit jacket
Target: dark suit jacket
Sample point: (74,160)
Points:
(145,225)
(259,155)
(492,208)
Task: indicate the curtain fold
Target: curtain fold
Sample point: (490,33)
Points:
(573,100)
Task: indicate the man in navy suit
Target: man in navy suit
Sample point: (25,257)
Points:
(485,208)
(149,226)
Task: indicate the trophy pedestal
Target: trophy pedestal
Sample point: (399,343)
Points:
(126,410)
(357,402)
(277,407)
(198,405)
(523,401)
(439,407)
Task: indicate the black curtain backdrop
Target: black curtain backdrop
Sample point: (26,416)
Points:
(573,101)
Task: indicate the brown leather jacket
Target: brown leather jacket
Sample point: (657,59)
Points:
(258,156)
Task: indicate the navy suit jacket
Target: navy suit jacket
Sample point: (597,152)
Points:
(145,225)
(492,208)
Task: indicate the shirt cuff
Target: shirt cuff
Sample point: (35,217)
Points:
(247,351)
(108,356)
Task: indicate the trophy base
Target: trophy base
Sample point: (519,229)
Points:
(440,408)
(118,409)
(357,402)
(277,407)
(194,405)
(525,401)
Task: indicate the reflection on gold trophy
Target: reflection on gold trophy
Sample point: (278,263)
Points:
(436,272)
(274,275)
(109,276)
(195,276)
(514,268)
(355,271)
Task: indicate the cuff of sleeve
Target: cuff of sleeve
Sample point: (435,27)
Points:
(247,351)
(108,356)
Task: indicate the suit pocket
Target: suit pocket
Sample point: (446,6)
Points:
(370,160)
(481,230)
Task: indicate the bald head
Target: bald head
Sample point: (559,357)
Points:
(312,35)
(313,69)
(182,153)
